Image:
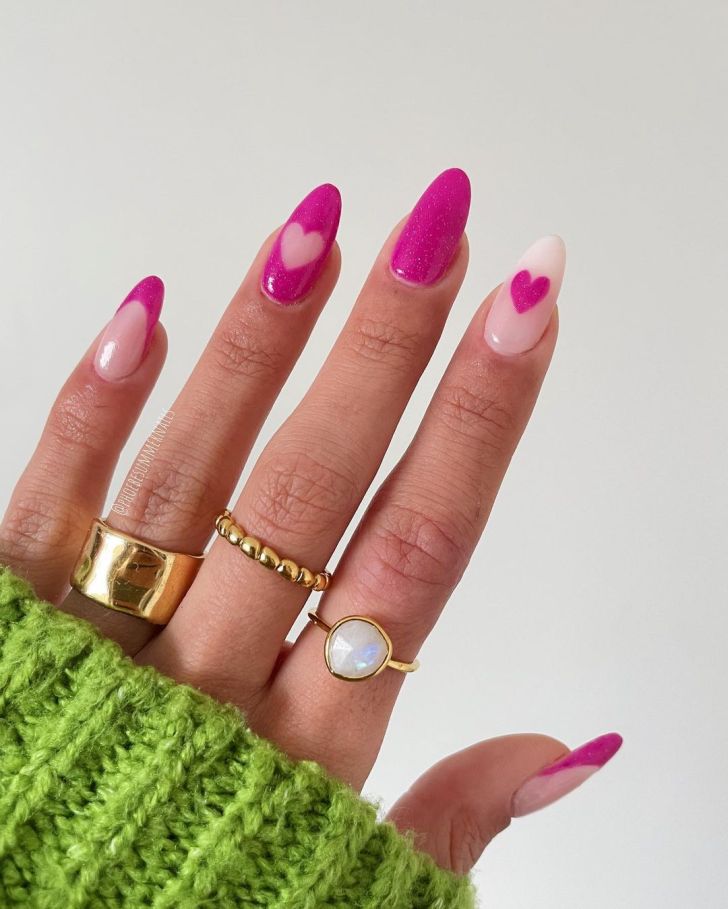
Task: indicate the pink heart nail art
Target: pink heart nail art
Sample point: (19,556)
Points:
(298,247)
(515,323)
(527,292)
(302,247)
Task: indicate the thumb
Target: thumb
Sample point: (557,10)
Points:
(458,806)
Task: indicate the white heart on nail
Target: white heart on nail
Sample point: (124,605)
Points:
(299,248)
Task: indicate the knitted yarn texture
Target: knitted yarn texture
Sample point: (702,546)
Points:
(120,787)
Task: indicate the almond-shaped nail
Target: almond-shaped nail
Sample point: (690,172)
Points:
(126,339)
(562,777)
(430,237)
(523,306)
(302,246)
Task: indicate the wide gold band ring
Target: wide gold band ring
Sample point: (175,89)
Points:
(255,549)
(358,648)
(121,572)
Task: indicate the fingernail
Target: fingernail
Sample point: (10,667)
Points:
(558,779)
(126,338)
(302,246)
(523,306)
(430,237)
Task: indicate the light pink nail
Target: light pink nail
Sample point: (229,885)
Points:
(126,339)
(565,775)
(523,306)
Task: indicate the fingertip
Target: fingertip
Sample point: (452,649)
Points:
(522,308)
(159,342)
(562,776)
(430,238)
(301,249)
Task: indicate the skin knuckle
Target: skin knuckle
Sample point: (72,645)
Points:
(225,686)
(239,352)
(37,523)
(301,493)
(476,416)
(76,422)
(173,496)
(380,341)
(412,550)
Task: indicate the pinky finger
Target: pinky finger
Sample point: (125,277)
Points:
(458,806)
(66,481)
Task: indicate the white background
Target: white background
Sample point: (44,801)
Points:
(170,138)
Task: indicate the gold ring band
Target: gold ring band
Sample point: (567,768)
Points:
(359,651)
(231,531)
(123,573)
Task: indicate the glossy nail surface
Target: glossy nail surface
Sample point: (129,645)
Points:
(565,775)
(126,339)
(523,306)
(430,237)
(302,246)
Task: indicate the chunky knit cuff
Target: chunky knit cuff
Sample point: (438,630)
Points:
(119,787)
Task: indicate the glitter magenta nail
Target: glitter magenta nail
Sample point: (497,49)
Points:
(302,246)
(430,237)
(128,335)
(564,775)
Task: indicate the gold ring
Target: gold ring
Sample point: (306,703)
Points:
(358,648)
(123,573)
(253,548)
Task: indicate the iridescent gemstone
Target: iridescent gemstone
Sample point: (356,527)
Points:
(356,649)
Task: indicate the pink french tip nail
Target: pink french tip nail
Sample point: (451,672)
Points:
(430,237)
(523,306)
(126,339)
(565,775)
(302,246)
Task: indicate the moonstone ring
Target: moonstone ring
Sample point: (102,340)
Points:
(358,648)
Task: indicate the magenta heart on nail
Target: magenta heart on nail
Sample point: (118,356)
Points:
(526,293)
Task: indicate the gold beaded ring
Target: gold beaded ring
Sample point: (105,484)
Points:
(254,548)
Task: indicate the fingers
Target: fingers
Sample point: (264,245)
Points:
(458,806)
(415,541)
(184,476)
(310,479)
(67,478)
(219,411)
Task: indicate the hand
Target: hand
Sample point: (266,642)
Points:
(228,636)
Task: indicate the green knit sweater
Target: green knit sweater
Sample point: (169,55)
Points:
(119,787)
